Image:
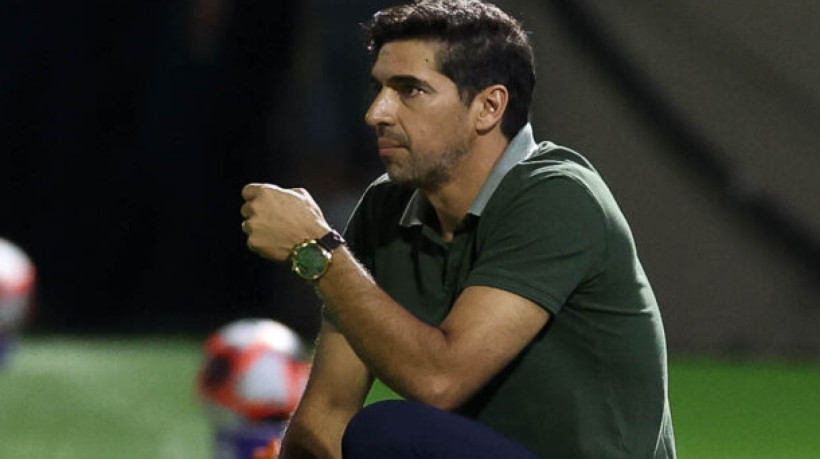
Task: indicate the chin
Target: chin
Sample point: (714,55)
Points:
(401,179)
(398,178)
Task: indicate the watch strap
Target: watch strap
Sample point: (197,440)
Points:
(331,240)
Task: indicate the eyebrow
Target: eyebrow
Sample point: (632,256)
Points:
(402,80)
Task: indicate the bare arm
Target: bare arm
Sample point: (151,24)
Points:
(336,390)
(442,366)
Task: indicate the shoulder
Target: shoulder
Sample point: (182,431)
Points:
(552,173)
(554,161)
(555,189)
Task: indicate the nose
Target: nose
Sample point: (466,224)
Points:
(381,111)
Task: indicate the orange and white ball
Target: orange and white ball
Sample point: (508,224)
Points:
(256,368)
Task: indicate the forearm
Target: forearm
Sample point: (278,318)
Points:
(404,352)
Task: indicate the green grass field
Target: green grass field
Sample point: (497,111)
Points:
(64,398)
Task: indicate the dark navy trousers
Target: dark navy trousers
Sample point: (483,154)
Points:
(398,429)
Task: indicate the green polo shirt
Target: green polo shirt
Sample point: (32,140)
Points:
(593,383)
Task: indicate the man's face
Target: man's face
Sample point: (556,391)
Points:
(423,127)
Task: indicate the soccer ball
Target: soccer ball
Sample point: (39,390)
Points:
(255,368)
(17,276)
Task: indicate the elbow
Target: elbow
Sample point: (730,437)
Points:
(446,403)
(445,393)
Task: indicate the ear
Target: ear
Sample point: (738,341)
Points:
(490,105)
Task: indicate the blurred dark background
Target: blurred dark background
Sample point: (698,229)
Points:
(127,130)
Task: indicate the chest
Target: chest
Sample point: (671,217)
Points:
(423,273)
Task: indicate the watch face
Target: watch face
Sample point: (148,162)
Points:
(310,260)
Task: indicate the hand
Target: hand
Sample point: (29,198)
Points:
(277,219)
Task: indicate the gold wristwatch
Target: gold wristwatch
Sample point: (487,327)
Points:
(311,259)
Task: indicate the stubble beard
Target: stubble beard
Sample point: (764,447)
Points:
(427,173)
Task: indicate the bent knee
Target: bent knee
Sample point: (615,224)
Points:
(378,431)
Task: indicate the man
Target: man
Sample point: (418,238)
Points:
(489,280)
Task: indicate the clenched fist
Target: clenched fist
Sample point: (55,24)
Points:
(277,219)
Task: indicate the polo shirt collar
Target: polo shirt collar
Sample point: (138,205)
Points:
(520,148)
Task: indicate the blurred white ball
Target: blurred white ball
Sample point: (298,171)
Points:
(17,280)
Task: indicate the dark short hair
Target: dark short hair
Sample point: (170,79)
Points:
(483,46)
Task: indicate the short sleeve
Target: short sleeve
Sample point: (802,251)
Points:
(543,243)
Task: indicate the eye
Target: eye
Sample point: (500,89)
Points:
(411,91)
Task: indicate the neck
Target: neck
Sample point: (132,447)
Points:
(453,199)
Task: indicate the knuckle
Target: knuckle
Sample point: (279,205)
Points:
(247,190)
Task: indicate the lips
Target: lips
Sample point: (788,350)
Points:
(388,144)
